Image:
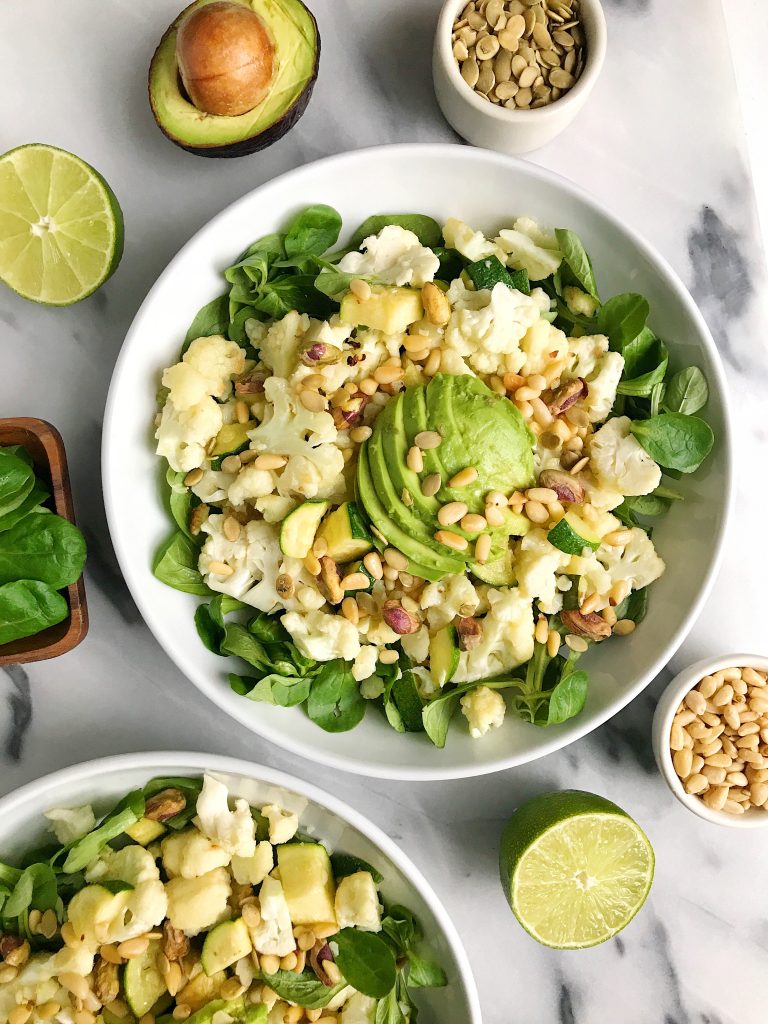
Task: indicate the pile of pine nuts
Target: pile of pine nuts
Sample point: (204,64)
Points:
(719,740)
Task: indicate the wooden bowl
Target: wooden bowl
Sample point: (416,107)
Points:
(45,446)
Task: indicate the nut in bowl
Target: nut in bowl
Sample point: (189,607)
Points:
(710,739)
(510,75)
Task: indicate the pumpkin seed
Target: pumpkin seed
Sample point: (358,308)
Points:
(530,21)
(561,78)
(541,37)
(487,47)
(494,11)
(523,98)
(527,77)
(460,51)
(570,61)
(486,79)
(506,90)
(549,58)
(519,64)
(564,39)
(476,21)
(502,66)
(470,72)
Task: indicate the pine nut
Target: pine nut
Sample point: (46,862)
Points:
(231,464)
(268,461)
(387,657)
(676,740)
(682,760)
(312,564)
(758,793)
(494,516)
(220,569)
(75,984)
(451,540)
(541,631)
(753,678)
(714,776)
(723,696)
(716,797)
(473,523)
(544,495)
(242,412)
(590,604)
(707,686)
(696,702)
(695,784)
(133,947)
(431,485)
(388,374)
(432,364)
(464,477)
(351,612)
(618,538)
(360,434)
(395,559)
(536,512)
(20,1015)
(428,440)
(436,306)
(360,289)
(369,386)
(312,400)
(483,548)
(526,393)
(372,562)
(451,513)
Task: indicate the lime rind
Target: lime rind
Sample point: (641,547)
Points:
(60,265)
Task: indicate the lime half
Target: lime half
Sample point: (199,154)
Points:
(575,868)
(61,227)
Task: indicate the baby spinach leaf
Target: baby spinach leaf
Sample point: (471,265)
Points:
(45,548)
(335,702)
(126,813)
(389,1010)
(176,565)
(577,260)
(687,392)
(17,478)
(284,691)
(451,263)
(423,973)
(634,607)
(437,714)
(490,271)
(27,607)
(344,864)
(36,889)
(213,318)
(425,228)
(335,283)
(622,318)
(268,629)
(209,631)
(242,644)
(641,353)
(314,230)
(641,384)
(366,961)
(568,698)
(674,440)
(180,499)
(303,989)
(115,885)
(657,397)
(31,503)
(401,929)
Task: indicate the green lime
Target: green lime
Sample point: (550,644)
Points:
(61,227)
(575,868)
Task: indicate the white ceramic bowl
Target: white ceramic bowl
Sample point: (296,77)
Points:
(102,782)
(359,184)
(669,701)
(495,127)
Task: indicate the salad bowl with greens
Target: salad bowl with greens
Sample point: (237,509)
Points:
(187,887)
(442,487)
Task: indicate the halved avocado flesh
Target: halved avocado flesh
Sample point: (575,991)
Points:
(297,47)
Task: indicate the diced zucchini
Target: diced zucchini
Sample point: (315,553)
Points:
(143,984)
(297,534)
(224,945)
(489,271)
(145,831)
(572,534)
(346,533)
(308,884)
(391,310)
(234,1010)
(199,992)
(443,655)
(232,438)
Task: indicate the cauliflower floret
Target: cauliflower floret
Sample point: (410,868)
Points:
(579,302)
(279,347)
(183,434)
(254,869)
(190,854)
(283,825)
(197,904)
(70,823)
(584,355)
(394,256)
(447,598)
(274,934)
(365,662)
(322,636)
(132,864)
(213,486)
(206,369)
(274,507)
(620,462)
(484,709)
(318,474)
(537,564)
(588,357)
(357,903)
(530,248)
(507,637)
(593,578)
(542,344)
(473,245)
(249,483)
(234,830)
(34,984)
(486,327)
(416,645)
(254,557)
(359,1009)
(99,916)
(636,562)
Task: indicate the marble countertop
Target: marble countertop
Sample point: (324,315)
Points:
(661,142)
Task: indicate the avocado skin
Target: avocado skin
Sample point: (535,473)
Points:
(253,143)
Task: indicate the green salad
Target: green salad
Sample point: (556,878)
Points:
(417,474)
(183,904)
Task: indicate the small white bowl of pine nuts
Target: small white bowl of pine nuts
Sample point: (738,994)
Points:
(710,739)
(510,75)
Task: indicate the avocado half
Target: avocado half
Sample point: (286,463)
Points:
(297,48)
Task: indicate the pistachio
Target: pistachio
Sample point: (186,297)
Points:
(398,619)
(331,579)
(591,625)
(165,804)
(566,487)
(567,394)
(351,412)
(320,354)
(319,956)
(470,632)
(8,943)
(175,942)
(106,981)
(251,383)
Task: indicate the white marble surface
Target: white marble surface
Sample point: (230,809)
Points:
(662,143)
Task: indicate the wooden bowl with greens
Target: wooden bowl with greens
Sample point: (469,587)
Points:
(43,610)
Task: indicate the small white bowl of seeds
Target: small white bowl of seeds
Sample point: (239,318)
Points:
(710,739)
(510,75)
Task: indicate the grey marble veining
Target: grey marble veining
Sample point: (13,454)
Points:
(661,144)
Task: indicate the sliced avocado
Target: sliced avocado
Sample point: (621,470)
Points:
(233,1009)
(499,572)
(143,984)
(297,534)
(145,831)
(346,534)
(391,310)
(232,439)
(224,945)
(308,884)
(297,50)
(424,564)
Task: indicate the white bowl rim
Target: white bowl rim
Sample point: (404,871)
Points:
(34,792)
(683,682)
(409,152)
(584,84)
